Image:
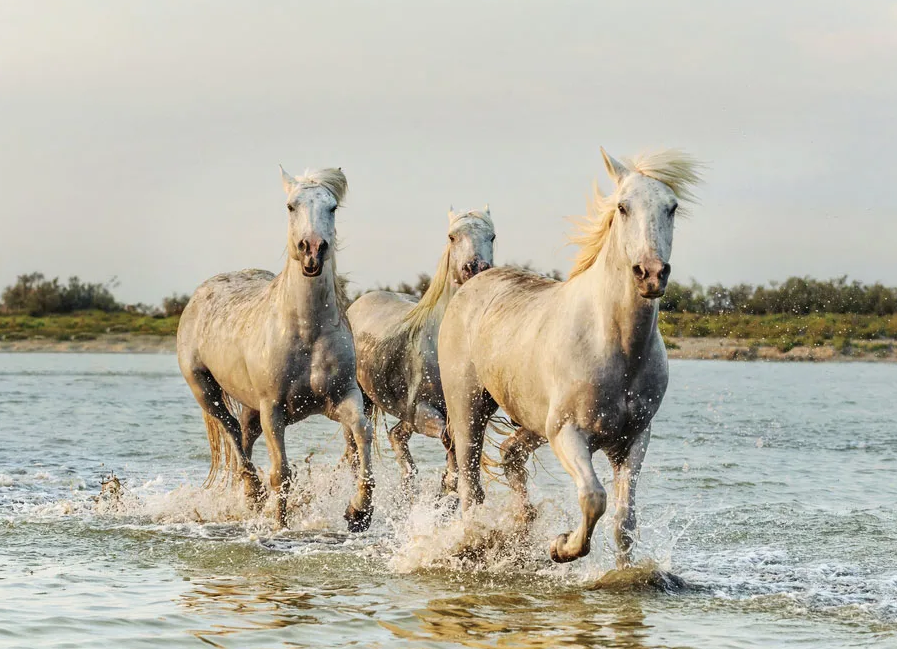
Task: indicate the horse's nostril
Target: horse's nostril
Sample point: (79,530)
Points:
(322,247)
(303,245)
(665,271)
(639,271)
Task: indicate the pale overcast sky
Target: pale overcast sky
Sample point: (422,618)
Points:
(141,139)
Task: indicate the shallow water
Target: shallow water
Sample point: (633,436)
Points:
(769,489)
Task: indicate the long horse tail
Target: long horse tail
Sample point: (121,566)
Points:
(502,426)
(220,445)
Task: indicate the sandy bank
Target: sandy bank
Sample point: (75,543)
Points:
(103,344)
(685,348)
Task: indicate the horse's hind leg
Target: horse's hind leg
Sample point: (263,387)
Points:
(469,420)
(398,438)
(571,445)
(626,471)
(430,421)
(210,396)
(251,427)
(515,452)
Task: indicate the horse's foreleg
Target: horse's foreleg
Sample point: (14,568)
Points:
(572,449)
(626,472)
(273,420)
(350,413)
(515,452)
(350,455)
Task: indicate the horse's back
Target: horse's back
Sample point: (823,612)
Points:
(493,337)
(217,312)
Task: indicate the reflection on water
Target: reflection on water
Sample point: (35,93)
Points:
(268,603)
(242,606)
(566,620)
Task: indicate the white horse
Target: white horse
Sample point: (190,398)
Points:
(273,350)
(395,339)
(580,363)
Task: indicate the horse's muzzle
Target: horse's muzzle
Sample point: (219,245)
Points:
(473,268)
(312,253)
(651,278)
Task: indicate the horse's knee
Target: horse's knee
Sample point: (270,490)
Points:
(593,503)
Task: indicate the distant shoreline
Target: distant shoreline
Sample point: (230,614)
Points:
(703,348)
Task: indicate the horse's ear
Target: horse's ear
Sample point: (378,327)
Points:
(288,181)
(615,169)
(486,210)
(451,214)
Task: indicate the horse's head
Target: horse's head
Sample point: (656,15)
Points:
(471,236)
(643,225)
(312,201)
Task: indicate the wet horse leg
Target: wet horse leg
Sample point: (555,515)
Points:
(251,427)
(467,436)
(399,435)
(626,472)
(210,396)
(430,421)
(515,452)
(350,455)
(571,445)
(273,420)
(350,413)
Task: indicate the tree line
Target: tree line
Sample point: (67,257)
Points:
(36,295)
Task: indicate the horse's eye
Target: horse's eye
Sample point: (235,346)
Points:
(673,209)
(492,238)
(291,207)
(452,238)
(621,208)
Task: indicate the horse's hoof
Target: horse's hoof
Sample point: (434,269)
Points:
(556,550)
(358,519)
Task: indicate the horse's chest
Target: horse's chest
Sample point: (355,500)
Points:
(625,410)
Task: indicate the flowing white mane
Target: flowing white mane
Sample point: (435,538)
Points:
(333,180)
(433,303)
(675,169)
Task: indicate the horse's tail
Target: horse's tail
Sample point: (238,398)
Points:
(499,425)
(220,444)
(502,426)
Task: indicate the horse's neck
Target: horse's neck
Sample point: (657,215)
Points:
(609,292)
(309,303)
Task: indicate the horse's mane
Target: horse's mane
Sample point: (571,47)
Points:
(333,180)
(433,303)
(675,169)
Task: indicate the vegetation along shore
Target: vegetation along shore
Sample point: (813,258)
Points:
(800,319)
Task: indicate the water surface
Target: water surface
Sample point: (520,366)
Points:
(769,489)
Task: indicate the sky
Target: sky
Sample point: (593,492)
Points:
(141,140)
